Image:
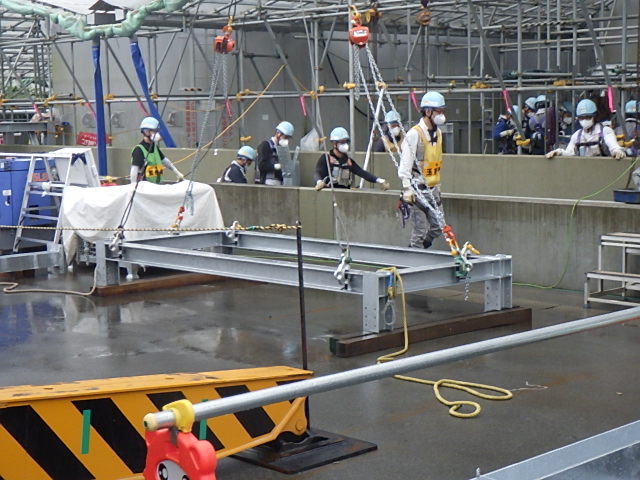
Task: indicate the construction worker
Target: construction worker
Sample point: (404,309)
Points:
(392,131)
(147,160)
(541,124)
(336,169)
(419,171)
(631,127)
(565,123)
(593,139)
(528,110)
(269,166)
(504,132)
(237,171)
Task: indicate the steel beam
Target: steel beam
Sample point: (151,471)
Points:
(231,254)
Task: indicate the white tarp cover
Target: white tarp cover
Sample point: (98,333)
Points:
(154,206)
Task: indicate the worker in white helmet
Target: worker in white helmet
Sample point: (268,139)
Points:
(237,171)
(419,171)
(542,127)
(392,136)
(147,160)
(269,166)
(591,140)
(337,169)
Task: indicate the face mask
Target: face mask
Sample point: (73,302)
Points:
(284,142)
(529,114)
(156,137)
(343,147)
(439,119)
(567,120)
(587,123)
(395,131)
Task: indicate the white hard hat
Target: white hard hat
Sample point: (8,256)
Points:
(285,128)
(149,123)
(531,103)
(432,100)
(338,134)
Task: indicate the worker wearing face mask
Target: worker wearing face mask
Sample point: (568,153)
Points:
(268,166)
(392,138)
(542,127)
(237,171)
(336,169)
(593,139)
(505,131)
(528,111)
(147,160)
(419,171)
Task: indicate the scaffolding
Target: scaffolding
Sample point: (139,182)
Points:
(564,48)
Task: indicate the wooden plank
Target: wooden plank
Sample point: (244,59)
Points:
(358,344)
(153,284)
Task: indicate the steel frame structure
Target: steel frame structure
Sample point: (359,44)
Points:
(548,29)
(229,254)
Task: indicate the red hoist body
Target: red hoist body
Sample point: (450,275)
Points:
(224,43)
(174,455)
(358,34)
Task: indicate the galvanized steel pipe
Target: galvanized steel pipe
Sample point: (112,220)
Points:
(245,401)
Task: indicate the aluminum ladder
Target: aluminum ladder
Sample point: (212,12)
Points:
(63,167)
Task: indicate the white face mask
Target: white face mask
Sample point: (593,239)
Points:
(586,123)
(343,147)
(156,137)
(567,120)
(439,119)
(395,131)
(283,142)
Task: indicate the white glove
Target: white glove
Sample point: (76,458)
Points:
(553,153)
(618,154)
(408,195)
(383,183)
(320,185)
(507,133)
(180,176)
(277,166)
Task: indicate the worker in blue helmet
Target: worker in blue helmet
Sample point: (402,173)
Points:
(237,171)
(419,171)
(336,169)
(542,126)
(505,131)
(392,137)
(631,128)
(147,160)
(269,165)
(592,139)
(565,120)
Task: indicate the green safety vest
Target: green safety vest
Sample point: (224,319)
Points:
(154,168)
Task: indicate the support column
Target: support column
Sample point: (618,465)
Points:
(107,272)
(498,291)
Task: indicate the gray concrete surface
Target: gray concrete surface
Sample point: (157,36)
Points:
(565,389)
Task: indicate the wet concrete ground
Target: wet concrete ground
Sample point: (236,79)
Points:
(565,389)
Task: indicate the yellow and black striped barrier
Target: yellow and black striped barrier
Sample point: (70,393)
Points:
(93,429)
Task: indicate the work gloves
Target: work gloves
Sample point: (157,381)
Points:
(277,166)
(507,133)
(408,196)
(320,185)
(383,183)
(618,154)
(553,153)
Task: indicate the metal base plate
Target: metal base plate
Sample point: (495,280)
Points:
(317,449)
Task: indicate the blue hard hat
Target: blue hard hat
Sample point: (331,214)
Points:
(338,134)
(392,117)
(586,107)
(432,100)
(149,123)
(530,102)
(631,106)
(566,107)
(285,128)
(516,110)
(247,152)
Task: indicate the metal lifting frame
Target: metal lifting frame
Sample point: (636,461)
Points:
(227,254)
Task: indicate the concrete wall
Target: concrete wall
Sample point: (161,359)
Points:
(521,206)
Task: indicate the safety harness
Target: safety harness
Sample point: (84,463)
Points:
(604,150)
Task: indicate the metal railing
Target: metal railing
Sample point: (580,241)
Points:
(245,401)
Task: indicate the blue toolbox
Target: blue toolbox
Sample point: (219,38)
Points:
(13,177)
(626,196)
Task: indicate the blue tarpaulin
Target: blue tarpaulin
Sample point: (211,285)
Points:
(97,85)
(141,71)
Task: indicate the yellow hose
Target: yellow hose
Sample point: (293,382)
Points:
(469,387)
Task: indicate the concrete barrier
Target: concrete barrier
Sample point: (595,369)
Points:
(517,205)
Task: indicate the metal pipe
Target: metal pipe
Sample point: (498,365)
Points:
(246,401)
